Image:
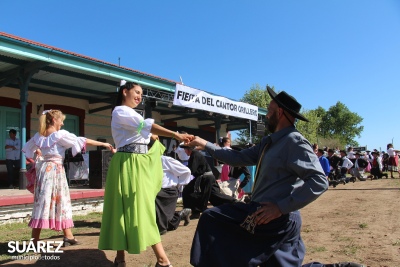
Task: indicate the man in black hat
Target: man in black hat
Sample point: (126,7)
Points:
(265,232)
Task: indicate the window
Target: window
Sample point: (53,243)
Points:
(71,124)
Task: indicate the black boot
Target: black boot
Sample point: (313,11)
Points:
(185,215)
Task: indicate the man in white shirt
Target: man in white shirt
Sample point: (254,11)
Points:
(359,165)
(183,157)
(345,164)
(175,175)
(13,153)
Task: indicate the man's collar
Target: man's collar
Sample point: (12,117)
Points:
(279,134)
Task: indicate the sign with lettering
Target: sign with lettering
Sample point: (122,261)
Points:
(192,98)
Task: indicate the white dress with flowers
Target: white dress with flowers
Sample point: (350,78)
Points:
(52,203)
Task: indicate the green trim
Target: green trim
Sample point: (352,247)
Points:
(33,51)
(141,125)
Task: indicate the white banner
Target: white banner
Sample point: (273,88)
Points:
(197,99)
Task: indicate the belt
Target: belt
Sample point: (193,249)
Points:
(133,148)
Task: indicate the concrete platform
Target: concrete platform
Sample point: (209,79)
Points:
(16,205)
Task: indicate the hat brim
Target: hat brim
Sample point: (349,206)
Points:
(292,112)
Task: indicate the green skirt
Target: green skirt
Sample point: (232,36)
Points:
(129,214)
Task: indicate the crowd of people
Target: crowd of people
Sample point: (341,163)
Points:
(142,187)
(345,165)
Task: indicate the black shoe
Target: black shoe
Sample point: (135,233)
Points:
(333,183)
(185,215)
(119,263)
(163,232)
(345,264)
(159,265)
(195,215)
(70,242)
(385,174)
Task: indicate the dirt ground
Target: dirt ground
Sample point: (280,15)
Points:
(354,222)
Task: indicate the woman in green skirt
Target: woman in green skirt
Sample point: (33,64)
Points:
(133,180)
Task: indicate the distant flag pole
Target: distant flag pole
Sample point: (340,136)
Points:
(180,77)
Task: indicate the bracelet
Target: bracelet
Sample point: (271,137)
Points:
(173,135)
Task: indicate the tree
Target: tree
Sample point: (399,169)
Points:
(260,98)
(341,124)
(309,129)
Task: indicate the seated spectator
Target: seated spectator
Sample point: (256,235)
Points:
(230,175)
(359,165)
(334,174)
(324,162)
(345,165)
(376,169)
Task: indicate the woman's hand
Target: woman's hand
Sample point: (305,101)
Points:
(38,152)
(108,146)
(186,138)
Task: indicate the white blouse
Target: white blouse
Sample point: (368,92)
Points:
(55,144)
(391,152)
(128,126)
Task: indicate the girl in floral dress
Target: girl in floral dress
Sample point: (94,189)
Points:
(52,203)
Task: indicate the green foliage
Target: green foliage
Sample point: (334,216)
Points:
(341,124)
(309,129)
(255,96)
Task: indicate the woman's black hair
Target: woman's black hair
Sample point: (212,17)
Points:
(223,141)
(128,86)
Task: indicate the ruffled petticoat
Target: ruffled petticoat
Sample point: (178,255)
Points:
(52,202)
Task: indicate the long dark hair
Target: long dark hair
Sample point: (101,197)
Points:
(120,96)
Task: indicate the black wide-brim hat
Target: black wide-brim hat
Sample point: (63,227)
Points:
(287,102)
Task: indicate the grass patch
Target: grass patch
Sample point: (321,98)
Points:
(316,249)
(396,243)
(349,250)
(363,225)
(344,238)
(21,232)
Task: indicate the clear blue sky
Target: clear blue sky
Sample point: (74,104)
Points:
(321,52)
